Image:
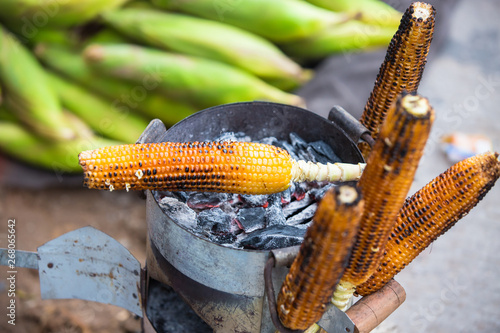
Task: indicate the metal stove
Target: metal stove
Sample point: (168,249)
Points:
(231,290)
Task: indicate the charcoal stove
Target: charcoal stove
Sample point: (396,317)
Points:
(219,289)
(226,286)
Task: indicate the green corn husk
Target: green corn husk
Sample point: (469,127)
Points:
(123,95)
(346,37)
(104,36)
(276,20)
(29,16)
(208,39)
(26,91)
(60,156)
(204,82)
(369,11)
(99,114)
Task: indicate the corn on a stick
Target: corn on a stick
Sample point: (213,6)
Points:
(385,184)
(432,211)
(277,20)
(402,68)
(238,167)
(209,39)
(201,81)
(26,90)
(322,258)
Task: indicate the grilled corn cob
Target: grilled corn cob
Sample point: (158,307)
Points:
(323,256)
(204,82)
(431,212)
(239,167)
(403,66)
(385,184)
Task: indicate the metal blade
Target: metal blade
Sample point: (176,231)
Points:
(90,265)
(335,320)
(26,259)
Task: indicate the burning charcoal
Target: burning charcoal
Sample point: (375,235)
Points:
(222,238)
(303,216)
(297,141)
(318,193)
(300,191)
(179,212)
(322,152)
(232,136)
(181,196)
(289,148)
(304,225)
(274,237)
(206,200)
(270,140)
(286,195)
(214,220)
(251,219)
(254,200)
(296,206)
(303,154)
(274,213)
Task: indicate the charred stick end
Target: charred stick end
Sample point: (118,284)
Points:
(343,294)
(310,171)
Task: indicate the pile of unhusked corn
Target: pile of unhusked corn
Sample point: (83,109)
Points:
(112,65)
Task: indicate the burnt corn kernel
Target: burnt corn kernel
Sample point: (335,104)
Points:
(384,184)
(402,68)
(235,167)
(440,204)
(308,286)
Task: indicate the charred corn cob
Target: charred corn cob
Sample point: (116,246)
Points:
(403,65)
(385,184)
(239,167)
(323,255)
(431,212)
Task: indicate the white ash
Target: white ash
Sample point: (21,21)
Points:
(260,222)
